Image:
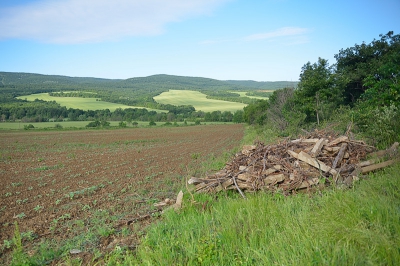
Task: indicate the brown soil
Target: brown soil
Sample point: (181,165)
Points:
(65,176)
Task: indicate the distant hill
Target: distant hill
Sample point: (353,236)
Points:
(153,82)
(264,85)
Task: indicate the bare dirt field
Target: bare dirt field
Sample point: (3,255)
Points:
(87,189)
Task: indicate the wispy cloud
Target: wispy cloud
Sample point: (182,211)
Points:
(79,21)
(288,35)
(282,32)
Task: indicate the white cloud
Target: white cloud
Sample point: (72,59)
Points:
(79,21)
(287,35)
(282,32)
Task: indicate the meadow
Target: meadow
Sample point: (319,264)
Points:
(81,103)
(243,94)
(198,100)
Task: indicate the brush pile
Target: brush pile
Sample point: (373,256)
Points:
(318,160)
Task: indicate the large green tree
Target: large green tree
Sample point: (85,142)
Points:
(370,71)
(317,95)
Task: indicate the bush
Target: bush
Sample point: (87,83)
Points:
(94,124)
(122,124)
(380,125)
(27,127)
(58,126)
(152,123)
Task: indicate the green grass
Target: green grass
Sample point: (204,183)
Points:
(81,103)
(243,94)
(334,227)
(198,100)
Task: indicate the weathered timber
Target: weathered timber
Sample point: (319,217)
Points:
(273,179)
(340,155)
(302,156)
(373,167)
(337,141)
(318,146)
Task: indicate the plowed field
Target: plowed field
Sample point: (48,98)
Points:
(59,185)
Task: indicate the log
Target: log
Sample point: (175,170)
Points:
(337,141)
(340,155)
(318,146)
(195,181)
(373,167)
(224,185)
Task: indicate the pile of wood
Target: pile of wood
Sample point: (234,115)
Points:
(317,160)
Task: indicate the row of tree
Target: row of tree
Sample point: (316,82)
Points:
(42,111)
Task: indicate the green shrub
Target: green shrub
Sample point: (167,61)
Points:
(27,127)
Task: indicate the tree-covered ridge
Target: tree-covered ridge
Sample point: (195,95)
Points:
(264,85)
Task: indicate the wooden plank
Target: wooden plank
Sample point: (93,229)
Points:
(331,149)
(305,140)
(318,146)
(373,167)
(293,154)
(340,155)
(272,179)
(338,140)
(272,170)
(316,163)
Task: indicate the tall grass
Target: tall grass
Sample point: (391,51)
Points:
(360,226)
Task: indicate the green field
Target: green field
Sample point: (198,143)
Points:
(80,103)
(243,94)
(198,100)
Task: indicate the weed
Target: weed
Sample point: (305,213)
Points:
(16,184)
(20,215)
(38,208)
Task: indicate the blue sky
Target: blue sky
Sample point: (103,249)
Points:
(262,40)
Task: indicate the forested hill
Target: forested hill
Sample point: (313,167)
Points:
(264,85)
(17,78)
(154,82)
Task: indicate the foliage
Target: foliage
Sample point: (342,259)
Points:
(27,127)
(317,94)
(372,68)
(363,83)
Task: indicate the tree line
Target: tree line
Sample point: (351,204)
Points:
(43,111)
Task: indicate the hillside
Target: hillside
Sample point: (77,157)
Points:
(264,85)
(151,82)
